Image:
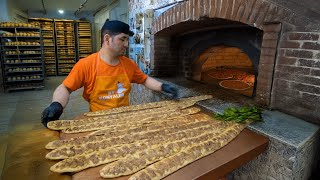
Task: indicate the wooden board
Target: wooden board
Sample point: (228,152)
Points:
(245,147)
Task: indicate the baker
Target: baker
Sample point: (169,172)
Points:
(105,76)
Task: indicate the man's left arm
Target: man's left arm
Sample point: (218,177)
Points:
(155,85)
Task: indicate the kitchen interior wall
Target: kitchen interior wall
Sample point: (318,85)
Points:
(116,10)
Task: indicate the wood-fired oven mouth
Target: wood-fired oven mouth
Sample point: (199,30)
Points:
(226,67)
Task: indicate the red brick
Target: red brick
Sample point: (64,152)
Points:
(235,9)
(196,10)
(273,9)
(289,44)
(269,43)
(293,69)
(248,9)
(276,27)
(303,36)
(307,80)
(299,53)
(178,13)
(315,72)
(283,84)
(268,51)
(282,60)
(218,8)
(264,59)
(174,15)
(309,63)
(266,67)
(224,8)
(229,9)
(161,22)
(283,75)
(206,8)
(241,10)
(262,13)
(188,13)
(305,88)
(270,35)
(183,11)
(212,11)
(311,45)
(169,15)
(255,11)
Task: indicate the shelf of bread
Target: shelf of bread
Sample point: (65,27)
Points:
(84,41)
(65,44)
(47,28)
(21,56)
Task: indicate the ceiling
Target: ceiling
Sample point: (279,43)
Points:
(66,5)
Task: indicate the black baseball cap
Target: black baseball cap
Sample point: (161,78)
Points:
(117,27)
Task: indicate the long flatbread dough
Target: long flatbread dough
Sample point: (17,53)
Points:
(146,106)
(171,164)
(132,120)
(64,152)
(118,130)
(78,163)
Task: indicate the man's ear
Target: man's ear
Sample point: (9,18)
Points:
(106,38)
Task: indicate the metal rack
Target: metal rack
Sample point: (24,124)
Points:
(21,56)
(65,45)
(84,43)
(47,28)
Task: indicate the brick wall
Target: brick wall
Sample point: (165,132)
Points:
(297,78)
(289,67)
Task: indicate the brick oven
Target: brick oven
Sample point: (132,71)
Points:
(269,49)
(283,49)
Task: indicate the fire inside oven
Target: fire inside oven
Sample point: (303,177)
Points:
(227,67)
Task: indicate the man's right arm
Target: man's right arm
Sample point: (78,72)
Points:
(59,101)
(61,95)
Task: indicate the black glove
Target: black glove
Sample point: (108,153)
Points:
(170,89)
(51,113)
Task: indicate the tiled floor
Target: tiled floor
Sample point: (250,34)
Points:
(21,111)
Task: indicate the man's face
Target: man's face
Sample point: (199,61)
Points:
(118,44)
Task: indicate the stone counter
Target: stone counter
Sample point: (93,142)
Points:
(293,147)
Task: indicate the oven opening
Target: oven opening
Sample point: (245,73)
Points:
(226,67)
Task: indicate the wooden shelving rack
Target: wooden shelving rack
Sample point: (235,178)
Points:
(47,27)
(84,42)
(65,45)
(21,56)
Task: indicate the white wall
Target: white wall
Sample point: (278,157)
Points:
(3,11)
(10,12)
(116,10)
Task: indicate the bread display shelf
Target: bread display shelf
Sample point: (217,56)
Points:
(84,42)
(21,56)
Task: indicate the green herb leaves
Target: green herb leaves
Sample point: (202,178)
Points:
(240,115)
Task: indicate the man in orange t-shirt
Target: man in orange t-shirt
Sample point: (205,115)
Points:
(106,75)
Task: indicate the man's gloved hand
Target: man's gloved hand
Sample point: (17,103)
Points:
(170,89)
(51,113)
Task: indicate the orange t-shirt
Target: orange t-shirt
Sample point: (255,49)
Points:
(84,72)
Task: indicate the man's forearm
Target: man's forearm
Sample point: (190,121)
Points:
(61,95)
(153,84)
